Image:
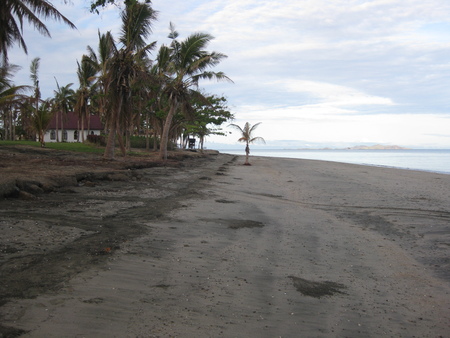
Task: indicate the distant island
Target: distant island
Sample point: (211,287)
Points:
(376,147)
(360,147)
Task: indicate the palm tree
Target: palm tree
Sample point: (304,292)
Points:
(187,64)
(34,76)
(10,96)
(64,101)
(100,61)
(247,137)
(41,120)
(86,75)
(126,66)
(12,15)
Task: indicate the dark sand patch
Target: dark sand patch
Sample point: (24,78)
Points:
(224,201)
(236,223)
(245,223)
(317,289)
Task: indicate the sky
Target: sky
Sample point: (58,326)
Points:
(315,73)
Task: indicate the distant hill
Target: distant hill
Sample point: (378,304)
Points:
(376,147)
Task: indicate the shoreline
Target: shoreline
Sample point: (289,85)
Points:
(372,162)
(277,248)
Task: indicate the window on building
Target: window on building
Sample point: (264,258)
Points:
(75,135)
(52,135)
(65,135)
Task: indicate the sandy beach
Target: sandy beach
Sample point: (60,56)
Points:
(282,248)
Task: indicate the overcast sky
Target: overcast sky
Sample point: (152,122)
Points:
(314,72)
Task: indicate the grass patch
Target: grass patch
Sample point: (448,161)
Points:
(75,146)
(23,143)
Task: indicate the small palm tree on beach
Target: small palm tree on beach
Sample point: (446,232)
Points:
(247,137)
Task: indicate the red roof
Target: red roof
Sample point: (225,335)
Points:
(70,121)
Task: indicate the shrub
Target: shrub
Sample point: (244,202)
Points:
(97,139)
(140,142)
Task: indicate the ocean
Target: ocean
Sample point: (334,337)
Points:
(433,160)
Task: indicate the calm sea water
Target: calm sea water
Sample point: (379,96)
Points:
(435,160)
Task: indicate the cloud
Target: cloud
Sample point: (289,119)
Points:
(332,94)
(314,70)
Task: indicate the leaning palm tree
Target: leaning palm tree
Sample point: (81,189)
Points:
(188,63)
(247,137)
(12,15)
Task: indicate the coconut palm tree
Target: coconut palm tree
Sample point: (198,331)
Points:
(41,120)
(12,15)
(100,61)
(34,76)
(247,137)
(86,76)
(64,102)
(10,96)
(187,64)
(125,66)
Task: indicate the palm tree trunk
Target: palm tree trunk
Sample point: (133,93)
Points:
(57,130)
(155,138)
(121,144)
(88,116)
(147,131)
(110,144)
(62,128)
(202,140)
(82,129)
(9,127)
(13,127)
(247,153)
(166,130)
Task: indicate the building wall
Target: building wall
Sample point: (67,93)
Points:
(50,135)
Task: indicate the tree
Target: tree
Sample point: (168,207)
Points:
(12,15)
(41,120)
(86,75)
(64,102)
(208,117)
(247,137)
(125,66)
(100,61)
(10,97)
(34,76)
(188,63)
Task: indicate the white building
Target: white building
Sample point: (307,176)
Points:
(69,128)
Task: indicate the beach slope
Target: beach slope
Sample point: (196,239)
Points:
(281,248)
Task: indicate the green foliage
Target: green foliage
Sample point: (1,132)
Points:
(97,139)
(21,143)
(140,142)
(209,115)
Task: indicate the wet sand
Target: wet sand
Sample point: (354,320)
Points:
(290,248)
